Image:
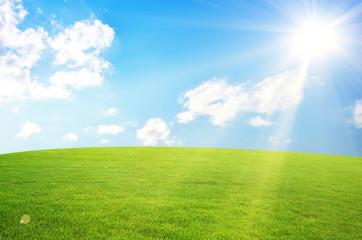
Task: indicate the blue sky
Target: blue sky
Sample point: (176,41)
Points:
(278,75)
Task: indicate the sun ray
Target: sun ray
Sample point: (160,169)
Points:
(348,15)
(287,118)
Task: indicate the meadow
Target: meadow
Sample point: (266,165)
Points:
(179,193)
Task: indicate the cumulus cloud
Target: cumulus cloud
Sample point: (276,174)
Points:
(279,139)
(104,141)
(77,79)
(222,101)
(14,78)
(26,45)
(77,49)
(20,50)
(276,93)
(111,112)
(259,122)
(154,131)
(70,137)
(357,114)
(27,129)
(38,91)
(81,44)
(110,129)
(215,98)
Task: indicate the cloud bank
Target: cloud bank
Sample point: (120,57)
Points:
(77,52)
(222,101)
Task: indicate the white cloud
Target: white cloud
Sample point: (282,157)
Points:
(38,91)
(79,47)
(70,137)
(215,98)
(15,79)
(80,44)
(20,50)
(222,101)
(357,114)
(279,139)
(259,122)
(155,130)
(87,129)
(277,93)
(78,79)
(77,53)
(16,82)
(111,129)
(104,141)
(28,128)
(111,112)
(26,44)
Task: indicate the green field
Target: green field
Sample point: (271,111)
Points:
(179,193)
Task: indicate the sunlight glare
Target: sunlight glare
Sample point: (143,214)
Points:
(314,39)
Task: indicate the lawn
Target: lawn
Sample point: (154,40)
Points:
(179,193)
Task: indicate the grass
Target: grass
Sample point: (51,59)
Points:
(179,193)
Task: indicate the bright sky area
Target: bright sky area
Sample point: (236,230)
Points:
(273,75)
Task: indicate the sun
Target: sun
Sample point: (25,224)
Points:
(314,39)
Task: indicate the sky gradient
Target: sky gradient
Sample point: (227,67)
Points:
(190,73)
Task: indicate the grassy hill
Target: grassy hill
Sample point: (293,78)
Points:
(179,193)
